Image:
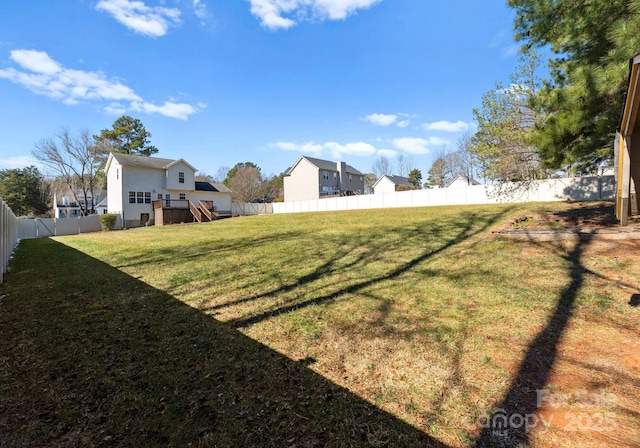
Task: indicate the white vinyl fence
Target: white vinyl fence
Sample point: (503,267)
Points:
(8,236)
(246,208)
(43,227)
(591,188)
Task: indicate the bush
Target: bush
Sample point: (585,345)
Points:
(108,221)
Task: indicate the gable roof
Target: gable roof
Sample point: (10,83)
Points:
(465,178)
(397,180)
(212,186)
(322,164)
(144,161)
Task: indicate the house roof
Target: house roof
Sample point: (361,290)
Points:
(325,165)
(144,161)
(465,178)
(398,180)
(99,194)
(212,186)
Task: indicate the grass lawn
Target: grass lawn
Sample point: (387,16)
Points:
(395,327)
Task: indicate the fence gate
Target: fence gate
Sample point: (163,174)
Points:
(45,227)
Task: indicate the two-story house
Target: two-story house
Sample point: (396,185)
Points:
(311,178)
(68,205)
(151,190)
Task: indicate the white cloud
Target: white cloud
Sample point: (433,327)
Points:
(403,123)
(272,12)
(180,111)
(200,9)
(381,119)
(14,162)
(115,109)
(306,148)
(151,21)
(44,76)
(389,153)
(355,149)
(447,126)
(412,145)
(438,141)
(336,149)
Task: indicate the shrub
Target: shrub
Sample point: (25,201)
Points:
(108,221)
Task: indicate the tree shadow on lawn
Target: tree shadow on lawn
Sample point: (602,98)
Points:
(465,229)
(91,356)
(508,425)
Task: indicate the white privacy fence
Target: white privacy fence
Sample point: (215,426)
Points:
(591,188)
(43,227)
(249,208)
(8,236)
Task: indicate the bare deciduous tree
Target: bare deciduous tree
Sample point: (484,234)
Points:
(381,167)
(246,184)
(405,164)
(221,174)
(77,161)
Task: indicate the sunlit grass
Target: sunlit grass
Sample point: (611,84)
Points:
(418,311)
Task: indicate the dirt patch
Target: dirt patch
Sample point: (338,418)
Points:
(591,398)
(580,217)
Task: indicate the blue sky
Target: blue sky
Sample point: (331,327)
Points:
(218,82)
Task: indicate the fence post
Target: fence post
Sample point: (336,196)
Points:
(8,236)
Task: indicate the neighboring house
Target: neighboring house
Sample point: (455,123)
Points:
(391,184)
(311,178)
(461,181)
(150,190)
(65,204)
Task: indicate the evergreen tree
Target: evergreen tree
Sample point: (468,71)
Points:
(415,177)
(127,135)
(592,42)
(25,191)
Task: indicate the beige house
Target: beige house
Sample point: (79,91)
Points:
(391,184)
(311,178)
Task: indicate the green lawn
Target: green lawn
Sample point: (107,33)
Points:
(395,327)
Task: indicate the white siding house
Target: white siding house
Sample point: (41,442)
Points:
(391,184)
(134,182)
(68,205)
(461,181)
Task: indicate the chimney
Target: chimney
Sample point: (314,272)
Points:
(342,176)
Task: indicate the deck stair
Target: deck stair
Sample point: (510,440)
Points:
(197,214)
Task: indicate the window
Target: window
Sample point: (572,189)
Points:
(361,179)
(167,200)
(325,175)
(140,196)
(147,197)
(183,196)
(160,196)
(132,197)
(117,173)
(335,176)
(181,177)
(350,178)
